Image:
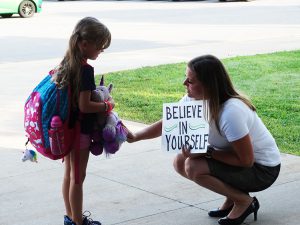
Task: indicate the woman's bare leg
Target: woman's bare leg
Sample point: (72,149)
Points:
(179,165)
(197,170)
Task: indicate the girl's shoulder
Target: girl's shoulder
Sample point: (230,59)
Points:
(87,68)
(85,64)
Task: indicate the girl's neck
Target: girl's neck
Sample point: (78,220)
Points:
(84,61)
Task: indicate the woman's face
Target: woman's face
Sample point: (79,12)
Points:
(193,86)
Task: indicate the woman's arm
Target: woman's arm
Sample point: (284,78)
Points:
(240,155)
(152,131)
(87,106)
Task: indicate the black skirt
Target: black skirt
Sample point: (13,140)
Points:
(252,179)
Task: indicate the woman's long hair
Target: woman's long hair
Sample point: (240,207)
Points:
(68,71)
(218,87)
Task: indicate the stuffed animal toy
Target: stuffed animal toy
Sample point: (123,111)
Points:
(29,155)
(114,133)
(101,94)
(109,132)
(96,146)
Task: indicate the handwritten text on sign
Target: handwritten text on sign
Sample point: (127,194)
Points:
(184,124)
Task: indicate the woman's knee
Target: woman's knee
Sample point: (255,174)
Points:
(195,168)
(178,163)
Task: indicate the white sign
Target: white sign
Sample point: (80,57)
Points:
(184,124)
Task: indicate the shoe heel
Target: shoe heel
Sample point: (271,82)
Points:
(255,215)
(252,208)
(255,208)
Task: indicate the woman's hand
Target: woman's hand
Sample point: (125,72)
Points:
(149,132)
(131,137)
(186,152)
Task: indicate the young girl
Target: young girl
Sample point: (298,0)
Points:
(88,40)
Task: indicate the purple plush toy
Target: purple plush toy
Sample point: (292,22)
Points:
(114,133)
(109,132)
(96,146)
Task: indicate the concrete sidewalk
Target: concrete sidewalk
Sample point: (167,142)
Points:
(137,186)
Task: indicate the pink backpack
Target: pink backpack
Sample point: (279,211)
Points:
(45,102)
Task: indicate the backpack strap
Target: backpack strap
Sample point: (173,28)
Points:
(76,135)
(57,100)
(77,147)
(77,152)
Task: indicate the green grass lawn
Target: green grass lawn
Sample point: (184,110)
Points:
(272,81)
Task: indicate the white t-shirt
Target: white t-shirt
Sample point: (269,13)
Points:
(238,120)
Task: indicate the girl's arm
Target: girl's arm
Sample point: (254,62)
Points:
(87,106)
(152,131)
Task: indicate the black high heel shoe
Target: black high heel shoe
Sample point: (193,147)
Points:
(253,208)
(220,212)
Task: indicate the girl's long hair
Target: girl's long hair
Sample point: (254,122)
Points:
(218,87)
(68,71)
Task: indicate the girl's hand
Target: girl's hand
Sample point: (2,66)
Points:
(112,102)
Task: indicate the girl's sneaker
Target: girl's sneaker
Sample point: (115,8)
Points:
(67,221)
(87,220)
